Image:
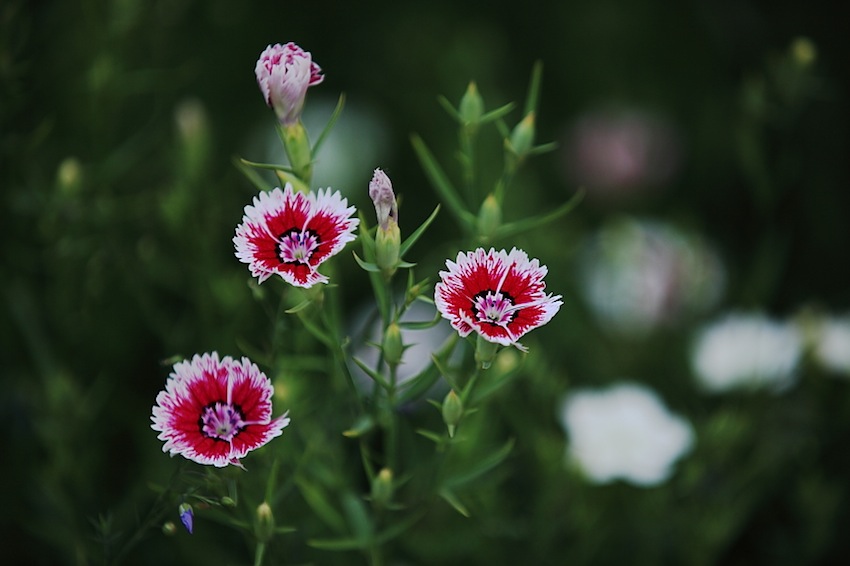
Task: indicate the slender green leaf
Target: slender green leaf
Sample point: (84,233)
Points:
(423,324)
(372,373)
(299,307)
(534,89)
(334,117)
(481,466)
(514,228)
(447,106)
(363,425)
(343,543)
(442,184)
(410,240)
(452,500)
(255,178)
(317,501)
(270,166)
(430,435)
(494,115)
(365,265)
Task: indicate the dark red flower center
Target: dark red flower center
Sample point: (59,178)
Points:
(496,308)
(221,421)
(296,246)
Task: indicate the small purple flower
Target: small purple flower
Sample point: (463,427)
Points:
(187,516)
(283,73)
(383,197)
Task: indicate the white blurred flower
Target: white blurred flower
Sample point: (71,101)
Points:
(746,351)
(624,432)
(832,344)
(637,274)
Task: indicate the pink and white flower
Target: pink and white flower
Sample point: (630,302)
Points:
(214,412)
(291,233)
(284,72)
(499,295)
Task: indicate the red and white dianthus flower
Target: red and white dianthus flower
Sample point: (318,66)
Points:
(214,412)
(291,233)
(499,295)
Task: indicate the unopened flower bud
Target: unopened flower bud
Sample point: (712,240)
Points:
(388,237)
(489,217)
(471,106)
(522,138)
(382,487)
(264,525)
(284,72)
(383,197)
(169,528)
(393,347)
(187,516)
(452,411)
(227,501)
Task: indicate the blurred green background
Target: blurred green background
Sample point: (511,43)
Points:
(119,124)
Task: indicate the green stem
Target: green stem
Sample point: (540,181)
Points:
(259,553)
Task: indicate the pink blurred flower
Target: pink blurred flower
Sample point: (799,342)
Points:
(284,72)
(615,155)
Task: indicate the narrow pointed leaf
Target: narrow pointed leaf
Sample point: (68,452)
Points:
(299,307)
(334,117)
(447,106)
(452,500)
(534,89)
(270,166)
(317,501)
(252,175)
(442,184)
(372,373)
(421,324)
(365,265)
(493,115)
(410,240)
(520,226)
(481,466)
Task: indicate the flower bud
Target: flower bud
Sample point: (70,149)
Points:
(264,524)
(387,246)
(383,197)
(187,516)
(382,487)
(522,138)
(284,72)
(392,347)
(452,411)
(489,217)
(388,237)
(471,107)
(227,501)
(169,528)
(69,175)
